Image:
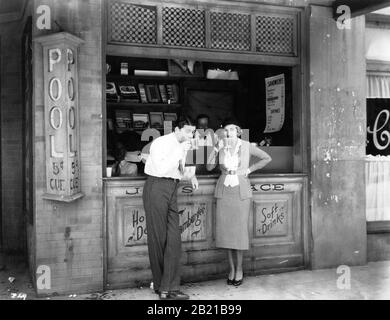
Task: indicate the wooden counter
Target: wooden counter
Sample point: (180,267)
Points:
(278,224)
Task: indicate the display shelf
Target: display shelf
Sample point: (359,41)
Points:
(128,104)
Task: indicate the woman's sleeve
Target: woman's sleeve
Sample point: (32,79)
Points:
(262,155)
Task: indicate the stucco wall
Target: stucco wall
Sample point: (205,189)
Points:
(337,140)
(69,236)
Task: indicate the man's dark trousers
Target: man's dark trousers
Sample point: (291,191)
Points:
(163,232)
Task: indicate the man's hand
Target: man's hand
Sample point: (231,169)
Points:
(195,183)
(186,145)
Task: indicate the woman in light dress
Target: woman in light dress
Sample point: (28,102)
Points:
(233,193)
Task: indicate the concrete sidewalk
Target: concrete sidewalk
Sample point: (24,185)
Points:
(367,282)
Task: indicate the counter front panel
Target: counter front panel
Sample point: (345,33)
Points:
(277,230)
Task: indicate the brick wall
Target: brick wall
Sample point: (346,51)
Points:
(13,227)
(69,237)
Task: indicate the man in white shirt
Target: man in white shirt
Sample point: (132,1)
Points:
(165,168)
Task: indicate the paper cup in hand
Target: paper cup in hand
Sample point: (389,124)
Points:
(194,144)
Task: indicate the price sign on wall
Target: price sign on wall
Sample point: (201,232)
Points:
(60,76)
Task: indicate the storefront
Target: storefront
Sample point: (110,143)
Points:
(108,70)
(279,215)
(377,150)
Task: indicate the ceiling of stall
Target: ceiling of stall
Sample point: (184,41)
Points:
(11,10)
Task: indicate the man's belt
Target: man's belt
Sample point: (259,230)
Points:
(166,178)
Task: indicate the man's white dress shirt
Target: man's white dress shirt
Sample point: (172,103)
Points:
(164,156)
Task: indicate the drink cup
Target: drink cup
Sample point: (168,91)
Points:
(194,144)
(109,172)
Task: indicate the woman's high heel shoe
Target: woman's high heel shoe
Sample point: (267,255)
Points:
(237,283)
(230,282)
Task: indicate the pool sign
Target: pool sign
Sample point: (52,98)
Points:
(60,76)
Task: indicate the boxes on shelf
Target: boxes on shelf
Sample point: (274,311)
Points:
(140,121)
(111,92)
(123,119)
(173,93)
(142,93)
(152,93)
(128,92)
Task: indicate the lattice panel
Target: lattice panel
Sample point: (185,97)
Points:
(184,27)
(230,31)
(275,34)
(133,23)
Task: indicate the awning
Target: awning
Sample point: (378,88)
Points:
(377,44)
(378,85)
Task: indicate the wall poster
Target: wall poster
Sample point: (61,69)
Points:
(275,103)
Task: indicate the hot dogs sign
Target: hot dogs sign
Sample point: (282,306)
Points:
(60,76)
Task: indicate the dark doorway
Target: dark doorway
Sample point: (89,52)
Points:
(27,90)
(1,179)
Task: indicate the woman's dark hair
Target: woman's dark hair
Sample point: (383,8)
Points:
(231,120)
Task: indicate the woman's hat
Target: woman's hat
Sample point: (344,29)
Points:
(231,121)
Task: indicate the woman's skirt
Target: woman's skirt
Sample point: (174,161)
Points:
(232,220)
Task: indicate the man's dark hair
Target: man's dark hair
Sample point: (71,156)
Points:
(120,153)
(202,116)
(182,121)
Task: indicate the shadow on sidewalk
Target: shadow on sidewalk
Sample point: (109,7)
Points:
(15,282)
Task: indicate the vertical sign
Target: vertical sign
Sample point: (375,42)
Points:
(275,103)
(60,76)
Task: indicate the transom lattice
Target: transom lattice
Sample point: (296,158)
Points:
(275,34)
(230,31)
(133,23)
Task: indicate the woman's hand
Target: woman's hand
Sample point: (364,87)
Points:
(219,144)
(242,172)
(194,183)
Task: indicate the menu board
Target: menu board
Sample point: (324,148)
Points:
(275,103)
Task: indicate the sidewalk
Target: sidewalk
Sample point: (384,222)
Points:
(367,282)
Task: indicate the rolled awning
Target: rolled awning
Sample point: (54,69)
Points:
(378,85)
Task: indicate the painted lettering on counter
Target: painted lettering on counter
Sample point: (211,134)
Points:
(272,217)
(139,228)
(268,187)
(134,191)
(192,224)
(187,189)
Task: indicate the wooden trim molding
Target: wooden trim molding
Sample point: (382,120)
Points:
(378,227)
(377,66)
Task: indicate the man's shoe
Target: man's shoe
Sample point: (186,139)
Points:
(157,291)
(178,295)
(164,295)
